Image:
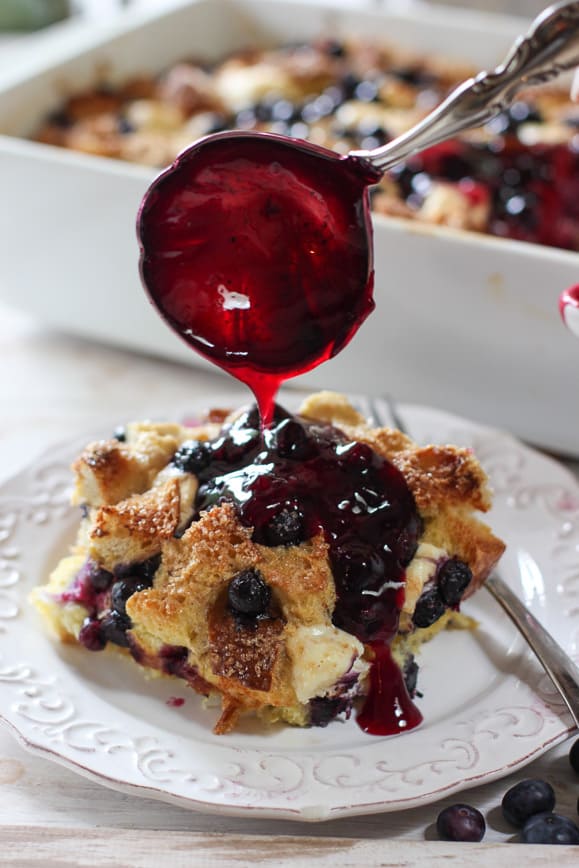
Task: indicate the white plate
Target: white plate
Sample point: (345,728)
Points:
(487,706)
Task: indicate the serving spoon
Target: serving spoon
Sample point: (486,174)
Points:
(549,48)
(257,248)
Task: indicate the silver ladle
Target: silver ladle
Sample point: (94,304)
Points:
(550,47)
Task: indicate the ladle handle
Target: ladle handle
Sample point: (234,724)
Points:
(550,47)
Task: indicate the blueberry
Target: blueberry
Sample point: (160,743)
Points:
(246,119)
(460,823)
(120,434)
(99,579)
(574,756)
(547,828)
(413,75)
(238,443)
(60,118)
(357,455)
(146,569)
(349,84)
(287,528)
(367,91)
(526,799)
(429,608)
(262,110)
(358,566)
(248,594)
(123,589)
(91,635)
(335,48)
(454,577)
(114,628)
(284,110)
(291,440)
(192,457)
(323,710)
(124,126)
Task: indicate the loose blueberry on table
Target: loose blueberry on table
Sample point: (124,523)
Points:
(461,822)
(527,798)
(548,828)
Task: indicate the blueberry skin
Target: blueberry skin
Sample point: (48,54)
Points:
(285,529)
(526,799)
(574,756)
(114,628)
(460,823)
(99,578)
(122,590)
(547,828)
(91,635)
(453,579)
(248,594)
(192,457)
(429,608)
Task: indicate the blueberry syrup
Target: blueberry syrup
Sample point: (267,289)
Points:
(359,502)
(387,691)
(256,250)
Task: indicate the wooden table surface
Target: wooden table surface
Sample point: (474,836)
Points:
(52,386)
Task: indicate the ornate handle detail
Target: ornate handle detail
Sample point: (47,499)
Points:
(550,47)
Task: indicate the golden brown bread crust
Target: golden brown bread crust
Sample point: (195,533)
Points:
(185,609)
(181,607)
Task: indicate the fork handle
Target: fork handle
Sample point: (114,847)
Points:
(559,667)
(550,47)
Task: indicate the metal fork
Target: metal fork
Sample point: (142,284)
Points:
(557,664)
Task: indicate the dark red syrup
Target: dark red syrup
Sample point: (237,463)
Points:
(387,690)
(296,479)
(256,249)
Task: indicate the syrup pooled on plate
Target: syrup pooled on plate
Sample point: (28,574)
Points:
(257,251)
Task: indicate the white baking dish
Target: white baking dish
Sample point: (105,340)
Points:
(465,322)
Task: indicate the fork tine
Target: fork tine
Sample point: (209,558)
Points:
(379,415)
(394,414)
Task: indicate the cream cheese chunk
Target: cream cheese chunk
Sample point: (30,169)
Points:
(321,655)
